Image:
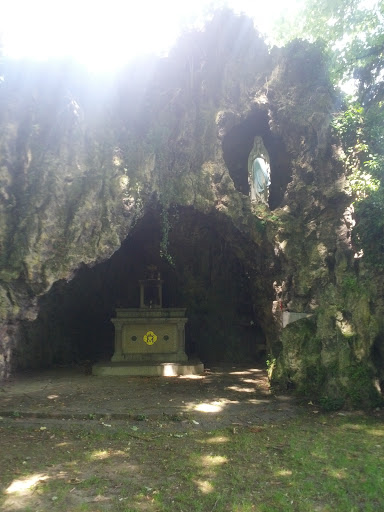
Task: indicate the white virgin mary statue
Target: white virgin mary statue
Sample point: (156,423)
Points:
(259,172)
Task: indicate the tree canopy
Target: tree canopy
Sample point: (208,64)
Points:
(352,31)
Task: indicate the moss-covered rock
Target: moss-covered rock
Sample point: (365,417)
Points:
(83,162)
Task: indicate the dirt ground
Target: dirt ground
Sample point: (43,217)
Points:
(222,396)
(222,442)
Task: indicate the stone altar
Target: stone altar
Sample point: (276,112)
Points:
(149,340)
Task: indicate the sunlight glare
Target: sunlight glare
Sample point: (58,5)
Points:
(169,370)
(339,474)
(216,440)
(100,455)
(375,432)
(204,486)
(99,34)
(213,460)
(213,407)
(240,389)
(25,484)
(284,472)
(192,376)
(105,35)
(105,454)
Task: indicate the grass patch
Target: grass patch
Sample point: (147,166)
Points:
(313,463)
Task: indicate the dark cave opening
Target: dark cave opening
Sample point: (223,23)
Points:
(237,145)
(208,275)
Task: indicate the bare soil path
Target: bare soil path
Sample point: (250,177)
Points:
(223,396)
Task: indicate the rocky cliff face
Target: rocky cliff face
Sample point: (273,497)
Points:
(100,178)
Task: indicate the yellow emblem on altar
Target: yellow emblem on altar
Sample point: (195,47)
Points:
(150,338)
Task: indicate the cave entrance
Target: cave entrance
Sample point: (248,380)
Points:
(238,144)
(205,269)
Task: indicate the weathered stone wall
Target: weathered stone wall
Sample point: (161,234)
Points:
(61,199)
(82,161)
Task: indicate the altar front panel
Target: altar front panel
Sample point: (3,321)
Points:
(150,338)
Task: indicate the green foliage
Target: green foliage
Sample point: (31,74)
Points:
(374,128)
(361,132)
(362,166)
(351,31)
(140,417)
(361,391)
(350,285)
(271,364)
(348,124)
(329,403)
(368,234)
(312,380)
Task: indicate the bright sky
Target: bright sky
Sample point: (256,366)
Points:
(104,34)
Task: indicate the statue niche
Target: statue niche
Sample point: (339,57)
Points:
(259,172)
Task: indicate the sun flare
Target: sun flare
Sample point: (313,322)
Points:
(104,35)
(99,33)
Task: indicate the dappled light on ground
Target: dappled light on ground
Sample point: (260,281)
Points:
(241,390)
(82,473)
(221,396)
(252,381)
(204,486)
(258,401)
(217,440)
(207,467)
(26,484)
(213,460)
(375,432)
(304,464)
(212,407)
(99,455)
(339,474)
(245,372)
(249,371)
(105,454)
(21,490)
(191,377)
(284,472)
(215,406)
